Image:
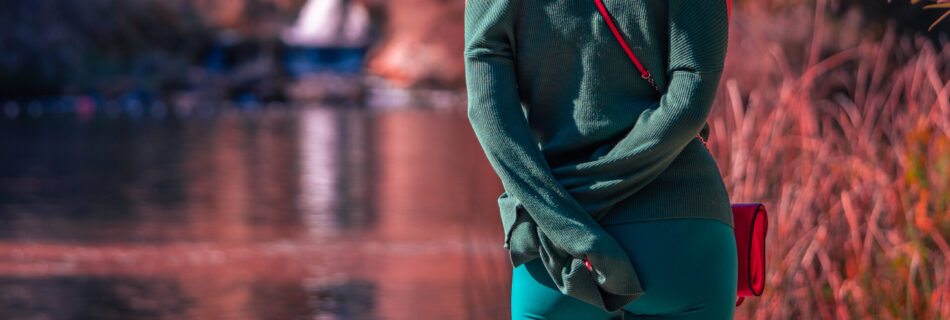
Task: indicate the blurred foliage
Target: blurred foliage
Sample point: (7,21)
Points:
(49,44)
(68,46)
(908,16)
(939,5)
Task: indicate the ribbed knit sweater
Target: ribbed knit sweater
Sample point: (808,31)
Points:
(580,140)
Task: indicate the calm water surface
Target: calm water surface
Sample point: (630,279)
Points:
(319,213)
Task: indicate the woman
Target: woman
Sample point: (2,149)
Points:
(597,166)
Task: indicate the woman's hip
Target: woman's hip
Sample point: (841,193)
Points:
(684,265)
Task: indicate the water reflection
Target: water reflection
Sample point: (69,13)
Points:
(336,175)
(321,213)
(108,297)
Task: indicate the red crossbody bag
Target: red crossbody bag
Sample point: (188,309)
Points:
(751,219)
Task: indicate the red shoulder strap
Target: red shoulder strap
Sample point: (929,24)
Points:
(643,71)
(613,29)
(610,23)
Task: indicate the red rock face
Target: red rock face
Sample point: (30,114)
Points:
(423,43)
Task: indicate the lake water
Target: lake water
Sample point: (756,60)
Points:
(316,213)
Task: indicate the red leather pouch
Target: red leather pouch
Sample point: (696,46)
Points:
(751,225)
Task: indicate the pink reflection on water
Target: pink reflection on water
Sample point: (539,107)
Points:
(327,212)
(435,187)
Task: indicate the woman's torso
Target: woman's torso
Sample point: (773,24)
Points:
(582,94)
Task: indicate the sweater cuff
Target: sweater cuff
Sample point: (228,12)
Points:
(525,242)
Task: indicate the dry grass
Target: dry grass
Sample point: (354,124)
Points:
(851,156)
(940,4)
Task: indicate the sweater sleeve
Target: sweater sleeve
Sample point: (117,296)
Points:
(495,113)
(698,35)
(566,233)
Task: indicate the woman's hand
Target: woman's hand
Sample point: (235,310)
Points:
(608,263)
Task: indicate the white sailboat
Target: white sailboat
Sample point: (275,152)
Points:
(330,23)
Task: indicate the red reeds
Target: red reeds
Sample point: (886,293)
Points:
(852,158)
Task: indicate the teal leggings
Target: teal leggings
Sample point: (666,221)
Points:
(687,267)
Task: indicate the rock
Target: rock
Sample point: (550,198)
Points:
(423,45)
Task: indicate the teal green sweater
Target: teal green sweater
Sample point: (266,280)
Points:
(580,140)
